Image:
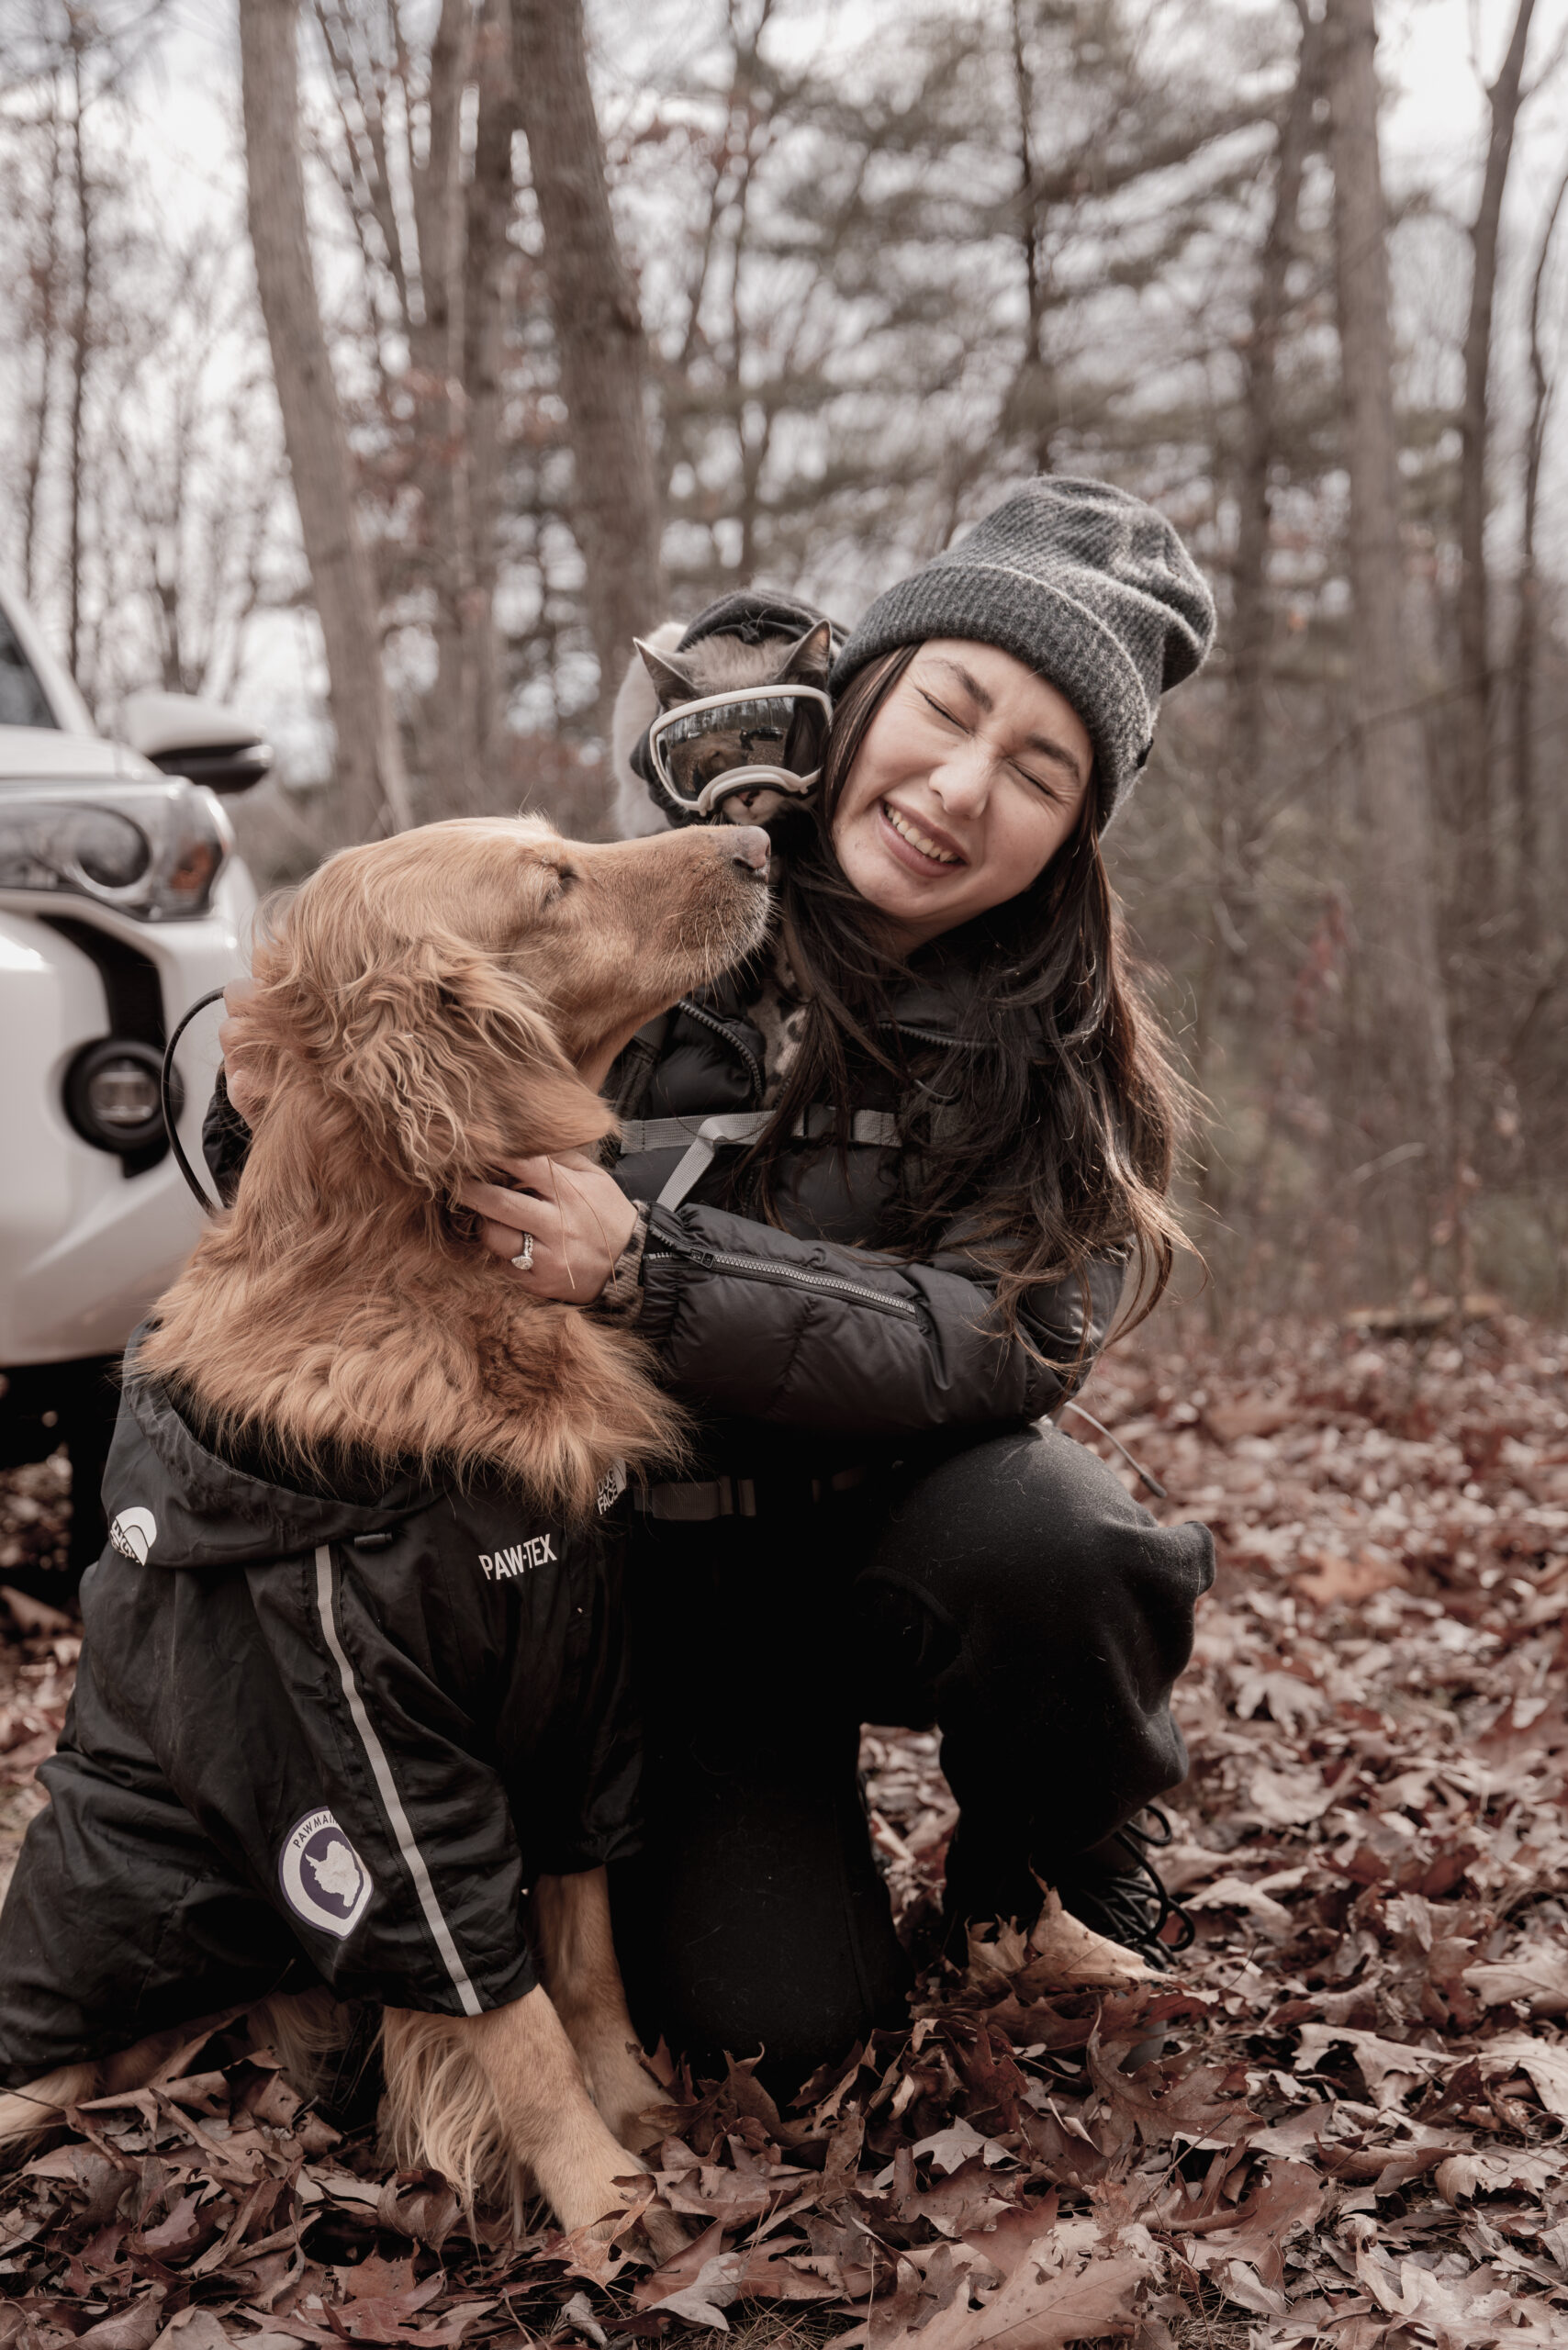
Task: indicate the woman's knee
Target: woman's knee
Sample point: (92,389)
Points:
(1027,1543)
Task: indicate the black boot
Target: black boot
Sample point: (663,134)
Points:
(1113,1888)
(1116,1891)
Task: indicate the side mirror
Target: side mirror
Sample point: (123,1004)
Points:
(196,739)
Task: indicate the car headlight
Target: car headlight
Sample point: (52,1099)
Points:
(151,850)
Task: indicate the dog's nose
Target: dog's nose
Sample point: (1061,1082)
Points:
(752,846)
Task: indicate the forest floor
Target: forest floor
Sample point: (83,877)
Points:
(1338,2119)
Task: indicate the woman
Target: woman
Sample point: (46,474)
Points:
(871,1305)
(876,1528)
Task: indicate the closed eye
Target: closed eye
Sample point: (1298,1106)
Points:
(1040,782)
(562,879)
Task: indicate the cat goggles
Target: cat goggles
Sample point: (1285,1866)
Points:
(704,751)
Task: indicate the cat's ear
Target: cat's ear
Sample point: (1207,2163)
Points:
(809,660)
(672,682)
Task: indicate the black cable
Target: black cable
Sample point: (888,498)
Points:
(167,1097)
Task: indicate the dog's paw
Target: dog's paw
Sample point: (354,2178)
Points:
(665,2232)
(629,2099)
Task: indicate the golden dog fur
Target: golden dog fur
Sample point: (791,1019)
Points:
(427,1008)
(419,1018)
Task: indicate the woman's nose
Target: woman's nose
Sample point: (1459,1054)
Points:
(962,782)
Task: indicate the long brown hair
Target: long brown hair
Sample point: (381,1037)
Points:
(1050,1132)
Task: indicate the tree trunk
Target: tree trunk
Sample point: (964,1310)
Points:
(1401,1041)
(1237,769)
(435,338)
(49,281)
(1477,841)
(598,336)
(1526,828)
(369,763)
(80,347)
(489,261)
(1031,410)
(1250,619)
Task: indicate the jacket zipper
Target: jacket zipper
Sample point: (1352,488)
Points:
(762,1269)
(707,1020)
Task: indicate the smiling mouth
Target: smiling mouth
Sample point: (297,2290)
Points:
(913,838)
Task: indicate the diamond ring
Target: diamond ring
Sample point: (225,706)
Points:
(523,1261)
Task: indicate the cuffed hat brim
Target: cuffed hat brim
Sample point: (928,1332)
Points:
(1086,585)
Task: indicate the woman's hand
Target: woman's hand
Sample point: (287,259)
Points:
(578,1217)
(240,1077)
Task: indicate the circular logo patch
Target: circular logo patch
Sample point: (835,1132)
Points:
(324,1881)
(134,1534)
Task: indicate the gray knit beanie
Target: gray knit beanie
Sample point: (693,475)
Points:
(1089,587)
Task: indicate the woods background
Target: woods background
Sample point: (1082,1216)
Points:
(515,333)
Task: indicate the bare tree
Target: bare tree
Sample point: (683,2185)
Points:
(488,260)
(436,378)
(1403,1039)
(370,770)
(1527,636)
(1250,616)
(1476,815)
(45,275)
(1237,812)
(395,149)
(81,334)
(598,333)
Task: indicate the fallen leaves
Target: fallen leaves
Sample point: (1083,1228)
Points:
(1338,2123)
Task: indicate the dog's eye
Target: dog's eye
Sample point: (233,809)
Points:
(563,879)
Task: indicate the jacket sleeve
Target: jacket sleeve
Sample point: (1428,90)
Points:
(759,1325)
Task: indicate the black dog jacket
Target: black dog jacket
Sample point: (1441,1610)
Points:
(313,1741)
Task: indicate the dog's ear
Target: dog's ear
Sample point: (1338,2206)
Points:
(454,1060)
(448,1059)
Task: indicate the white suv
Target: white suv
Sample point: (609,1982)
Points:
(122,900)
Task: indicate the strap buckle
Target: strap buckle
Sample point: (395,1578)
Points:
(698,1503)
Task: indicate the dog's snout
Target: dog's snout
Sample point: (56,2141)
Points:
(751,846)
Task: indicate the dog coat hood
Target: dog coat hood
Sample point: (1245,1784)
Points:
(171,1502)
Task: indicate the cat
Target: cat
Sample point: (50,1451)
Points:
(665,673)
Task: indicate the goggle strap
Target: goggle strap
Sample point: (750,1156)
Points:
(735,695)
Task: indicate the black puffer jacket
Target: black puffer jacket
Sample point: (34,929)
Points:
(805,1342)
(804,1349)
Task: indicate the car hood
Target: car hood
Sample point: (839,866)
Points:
(49,754)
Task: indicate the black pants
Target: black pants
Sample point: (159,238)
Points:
(1015,1595)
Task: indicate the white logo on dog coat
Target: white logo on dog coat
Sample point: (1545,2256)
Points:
(134,1534)
(501,1565)
(612,1485)
(324,1880)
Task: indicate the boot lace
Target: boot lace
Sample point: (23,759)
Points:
(1144,1892)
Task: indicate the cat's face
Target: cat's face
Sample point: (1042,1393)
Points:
(771,724)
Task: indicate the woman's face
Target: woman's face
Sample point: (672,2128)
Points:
(970,777)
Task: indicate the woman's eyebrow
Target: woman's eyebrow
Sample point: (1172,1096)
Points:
(1046,748)
(1055,751)
(972,686)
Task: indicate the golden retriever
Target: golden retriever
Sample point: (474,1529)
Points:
(427,1008)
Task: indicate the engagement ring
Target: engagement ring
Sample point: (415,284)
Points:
(523,1261)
